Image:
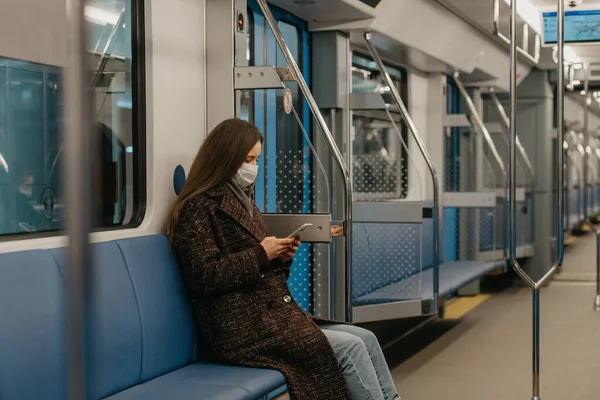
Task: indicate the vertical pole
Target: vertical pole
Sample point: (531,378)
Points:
(512,176)
(512,183)
(536,343)
(77,186)
(586,140)
(560,128)
(597,300)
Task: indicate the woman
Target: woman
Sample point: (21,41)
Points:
(236,276)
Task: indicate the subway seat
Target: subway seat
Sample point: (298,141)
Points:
(381,278)
(142,336)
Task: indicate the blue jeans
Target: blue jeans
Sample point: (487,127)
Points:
(362,362)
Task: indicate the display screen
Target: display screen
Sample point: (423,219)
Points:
(582,26)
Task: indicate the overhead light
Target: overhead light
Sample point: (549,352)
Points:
(583,92)
(576,82)
(99,16)
(577,66)
(529,13)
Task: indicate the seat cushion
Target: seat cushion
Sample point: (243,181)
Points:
(115,333)
(207,381)
(166,322)
(33,327)
(453,276)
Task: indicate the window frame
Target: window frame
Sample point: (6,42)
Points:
(139,134)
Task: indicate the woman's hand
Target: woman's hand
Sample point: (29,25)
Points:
(291,252)
(277,247)
(337,230)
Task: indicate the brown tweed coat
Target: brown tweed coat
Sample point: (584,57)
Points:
(242,305)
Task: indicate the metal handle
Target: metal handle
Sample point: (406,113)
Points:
(77,170)
(522,152)
(426,156)
(536,57)
(337,155)
(536,285)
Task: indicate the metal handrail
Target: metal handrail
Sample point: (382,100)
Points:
(486,135)
(581,181)
(107,47)
(413,129)
(78,113)
(522,152)
(536,57)
(484,131)
(337,155)
(560,86)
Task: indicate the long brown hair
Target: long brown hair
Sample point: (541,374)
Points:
(218,160)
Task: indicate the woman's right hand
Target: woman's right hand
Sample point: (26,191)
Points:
(276,247)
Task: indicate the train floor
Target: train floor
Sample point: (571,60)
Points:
(486,353)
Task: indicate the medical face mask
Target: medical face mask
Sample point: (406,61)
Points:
(246,175)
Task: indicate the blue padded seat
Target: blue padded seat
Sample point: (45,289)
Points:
(142,335)
(33,332)
(383,278)
(453,276)
(115,334)
(207,381)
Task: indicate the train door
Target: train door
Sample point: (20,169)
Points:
(284,183)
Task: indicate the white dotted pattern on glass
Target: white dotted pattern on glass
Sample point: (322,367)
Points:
(381,179)
(295,195)
(386,261)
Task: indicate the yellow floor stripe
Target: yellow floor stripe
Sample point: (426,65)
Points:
(569,240)
(462,305)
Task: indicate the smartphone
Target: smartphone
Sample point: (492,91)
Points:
(298,232)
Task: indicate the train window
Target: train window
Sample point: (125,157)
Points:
(31,125)
(380,159)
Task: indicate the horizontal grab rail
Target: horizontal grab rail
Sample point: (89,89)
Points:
(337,155)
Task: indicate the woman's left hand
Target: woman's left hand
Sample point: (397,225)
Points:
(337,230)
(290,252)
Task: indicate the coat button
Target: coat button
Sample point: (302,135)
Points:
(287,298)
